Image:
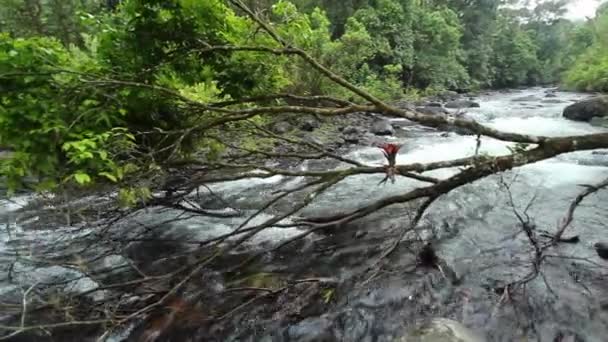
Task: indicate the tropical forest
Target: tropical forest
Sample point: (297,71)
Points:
(303,170)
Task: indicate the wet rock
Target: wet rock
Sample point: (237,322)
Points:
(309,124)
(382,127)
(281,127)
(404,105)
(442,330)
(599,121)
(311,330)
(552,101)
(402,123)
(314,140)
(585,110)
(351,130)
(428,104)
(432,110)
(462,104)
(528,98)
(601,248)
(351,139)
(448,95)
(550,95)
(339,142)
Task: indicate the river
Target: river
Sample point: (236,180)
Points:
(474,228)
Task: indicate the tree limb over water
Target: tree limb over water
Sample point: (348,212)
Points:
(219,117)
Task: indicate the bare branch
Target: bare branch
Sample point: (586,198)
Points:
(566,221)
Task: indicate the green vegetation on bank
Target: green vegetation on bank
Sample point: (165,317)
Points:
(100,90)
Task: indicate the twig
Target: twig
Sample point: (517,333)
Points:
(565,222)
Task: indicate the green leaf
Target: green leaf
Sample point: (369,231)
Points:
(109,176)
(82,178)
(327,295)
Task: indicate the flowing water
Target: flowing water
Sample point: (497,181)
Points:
(476,234)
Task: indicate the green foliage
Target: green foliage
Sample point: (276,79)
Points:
(131,196)
(59,129)
(437,50)
(589,71)
(514,58)
(57,18)
(89,95)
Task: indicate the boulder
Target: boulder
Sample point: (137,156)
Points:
(528,98)
(309,124)
(599,121)
(552,101)
(351,139)
(432,110)
(314,140)
(428,104)
(448,95)
(601,248)
(550,95)
(281,127)
(382,127)
(348,130)
(404,105)
(585,110)
(462,104)
(442,330)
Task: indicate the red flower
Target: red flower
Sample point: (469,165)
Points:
(390,152)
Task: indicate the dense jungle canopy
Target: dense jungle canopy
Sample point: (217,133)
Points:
(80,78)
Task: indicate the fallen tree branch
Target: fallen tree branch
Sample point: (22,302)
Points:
(567,220)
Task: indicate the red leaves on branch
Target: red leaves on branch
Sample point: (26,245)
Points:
(390,153)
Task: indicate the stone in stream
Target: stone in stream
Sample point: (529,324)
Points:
(528,98)
(348,130)
(382,127)
(552,101)
(428,104)
(599,121)
(351,139)
(432,110)
(462,104)
(309,124)
(404,105)
(586,109)
(281,127)
(448,95)
(551,95)
(601,248)
(442,330)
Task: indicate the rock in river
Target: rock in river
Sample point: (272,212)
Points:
(529,98)
(602,249)
(382,127)
(432,110)
(442,330)
(462,104)
(586,109)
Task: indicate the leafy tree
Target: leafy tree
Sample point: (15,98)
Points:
(437,50)
(57,18)
(60,129)
(514,59)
